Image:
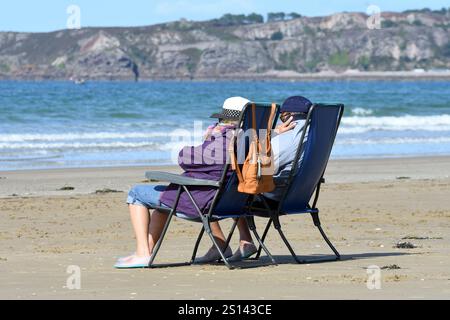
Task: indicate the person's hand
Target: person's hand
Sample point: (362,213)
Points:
(286,126)
(209,132)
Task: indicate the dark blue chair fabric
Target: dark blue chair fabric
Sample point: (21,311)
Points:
(321,135)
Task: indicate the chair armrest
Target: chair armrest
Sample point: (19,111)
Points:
(180,180)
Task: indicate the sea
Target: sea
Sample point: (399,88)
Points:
(50,124)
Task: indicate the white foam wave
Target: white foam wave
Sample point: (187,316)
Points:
(177,145)
(173,140)
(404,123)
(361,112)
(394,141)
(167,145)
(29,137)
(77,145)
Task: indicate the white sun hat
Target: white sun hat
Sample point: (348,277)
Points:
(232,108)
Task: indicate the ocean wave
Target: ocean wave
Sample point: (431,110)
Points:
(79,145)
(414,131)
(359,124)
(77,136)
(167,145)
(362,112)
(356,141)
(177,145)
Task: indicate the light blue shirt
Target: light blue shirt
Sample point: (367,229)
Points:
(284,147)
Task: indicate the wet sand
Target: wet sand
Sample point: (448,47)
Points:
(367,207)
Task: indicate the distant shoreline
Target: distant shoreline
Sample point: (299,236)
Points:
(279,76)
(348,75)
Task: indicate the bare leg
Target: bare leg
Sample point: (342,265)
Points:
(140,219)
(212,254)
(158,220)
(244,231)
(218,234)
(246,245)
(147,230)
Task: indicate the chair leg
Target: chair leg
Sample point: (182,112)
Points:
(337,254)
(316,220)
(288,245)
(207,227)
(197,243)
(277,225)
(276,222)
(161,238)
(252,227)
(222,256)
(230,234)
(158,246)
(266,230)
(211,236)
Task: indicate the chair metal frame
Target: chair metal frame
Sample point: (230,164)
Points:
(275,214)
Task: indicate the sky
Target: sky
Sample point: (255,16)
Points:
(50,15)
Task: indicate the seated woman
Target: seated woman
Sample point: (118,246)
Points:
(205,162)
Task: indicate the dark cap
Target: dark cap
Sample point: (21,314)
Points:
(296,104)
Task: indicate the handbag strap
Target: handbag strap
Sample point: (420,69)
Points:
(255,134)
(234,164)
(233,157)
(273,111)
(269,131)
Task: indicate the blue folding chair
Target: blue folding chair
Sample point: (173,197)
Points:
(227,201)
(305,178)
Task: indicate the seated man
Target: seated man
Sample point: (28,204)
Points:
(285,141)
(284,146)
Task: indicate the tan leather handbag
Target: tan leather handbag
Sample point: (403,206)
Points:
(257,171)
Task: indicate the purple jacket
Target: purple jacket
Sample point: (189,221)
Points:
(205,161)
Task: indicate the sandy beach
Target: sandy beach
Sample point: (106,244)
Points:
(53,219)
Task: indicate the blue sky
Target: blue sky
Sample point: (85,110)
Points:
(49,15)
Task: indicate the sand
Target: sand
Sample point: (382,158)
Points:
(367,207)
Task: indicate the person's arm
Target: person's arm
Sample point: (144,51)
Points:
(203,157)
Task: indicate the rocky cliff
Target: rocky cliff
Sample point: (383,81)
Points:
(200,50)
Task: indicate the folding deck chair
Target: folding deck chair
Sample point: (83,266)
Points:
(227,201)
(322,123)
